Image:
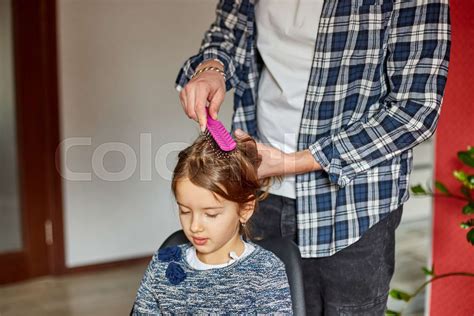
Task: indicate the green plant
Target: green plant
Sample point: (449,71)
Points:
(404,296)
(467,187)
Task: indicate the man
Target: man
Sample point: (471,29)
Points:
(338,124)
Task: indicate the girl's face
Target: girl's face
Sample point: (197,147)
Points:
(212,225)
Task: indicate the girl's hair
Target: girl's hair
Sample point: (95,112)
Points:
(234,178)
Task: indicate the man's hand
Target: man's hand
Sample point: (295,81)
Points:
(277,163)
(208,86)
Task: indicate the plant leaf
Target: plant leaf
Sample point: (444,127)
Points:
(442,188)
(467,158)
(418,190)
(400,295)
(467,224)
(389,312)
(460,175)
(470,181)
(470,236)
(470,150)
(468,209)
(427,271)
(466,192)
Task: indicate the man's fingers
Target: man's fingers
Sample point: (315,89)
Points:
(202,117)
(194,99)
(182,99)
(190,105)
(200,107)
(215,104)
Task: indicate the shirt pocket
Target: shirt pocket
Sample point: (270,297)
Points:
(374,12)
(369,23)
(369,3)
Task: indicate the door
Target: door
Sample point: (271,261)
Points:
(31,241)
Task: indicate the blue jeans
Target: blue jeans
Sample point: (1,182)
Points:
(355,280)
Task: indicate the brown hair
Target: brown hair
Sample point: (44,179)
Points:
(233,177)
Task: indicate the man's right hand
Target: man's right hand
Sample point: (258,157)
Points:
(208,86)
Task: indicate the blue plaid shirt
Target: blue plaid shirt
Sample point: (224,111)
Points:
(377,80)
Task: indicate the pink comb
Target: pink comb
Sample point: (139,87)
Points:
(219,133)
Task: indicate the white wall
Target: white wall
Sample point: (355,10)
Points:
(118,61)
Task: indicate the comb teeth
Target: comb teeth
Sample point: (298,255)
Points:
(215,148)
(220,135)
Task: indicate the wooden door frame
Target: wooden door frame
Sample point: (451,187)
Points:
(37,118)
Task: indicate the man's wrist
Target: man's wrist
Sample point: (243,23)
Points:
(211,63)
(214,65)
(208,68)
(299,162)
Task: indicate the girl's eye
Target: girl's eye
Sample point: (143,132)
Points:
(183,212)
(212,215)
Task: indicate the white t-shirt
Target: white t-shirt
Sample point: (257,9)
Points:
(286,36)
(194,262)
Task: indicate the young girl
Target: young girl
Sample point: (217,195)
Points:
(218,271)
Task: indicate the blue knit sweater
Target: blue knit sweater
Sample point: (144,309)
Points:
(256,284)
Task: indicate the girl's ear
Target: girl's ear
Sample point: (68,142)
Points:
(247,211)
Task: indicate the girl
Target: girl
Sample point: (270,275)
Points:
(218,271)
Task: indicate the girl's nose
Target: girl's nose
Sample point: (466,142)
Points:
(196,224)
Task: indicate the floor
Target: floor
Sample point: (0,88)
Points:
(112,292)
(103,293)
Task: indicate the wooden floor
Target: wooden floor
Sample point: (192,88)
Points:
(112,292)
(102,293)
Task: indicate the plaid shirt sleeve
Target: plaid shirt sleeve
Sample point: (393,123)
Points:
(218,42)
(416,68)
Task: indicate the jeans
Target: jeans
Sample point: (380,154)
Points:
(355,280)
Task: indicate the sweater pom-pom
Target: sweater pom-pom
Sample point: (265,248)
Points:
(175,274)
(169,254)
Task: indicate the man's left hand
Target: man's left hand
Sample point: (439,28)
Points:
(277,163)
